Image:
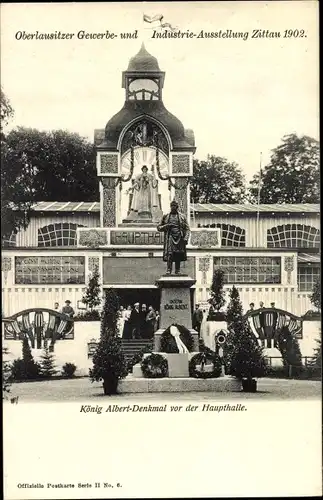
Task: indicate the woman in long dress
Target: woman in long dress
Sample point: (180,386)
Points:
(127,329)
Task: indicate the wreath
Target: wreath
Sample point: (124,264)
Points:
(154,366)
(168,342)
(201,359)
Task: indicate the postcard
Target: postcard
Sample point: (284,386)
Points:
(160,233)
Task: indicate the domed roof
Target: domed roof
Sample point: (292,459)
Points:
(143,61)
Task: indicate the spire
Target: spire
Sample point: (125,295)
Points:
(143,61)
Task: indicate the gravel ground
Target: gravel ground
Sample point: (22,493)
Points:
(81,389)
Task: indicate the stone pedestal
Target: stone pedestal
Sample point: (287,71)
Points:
(175,305)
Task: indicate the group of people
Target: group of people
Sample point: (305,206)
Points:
(67,309)
(137,322)
(261,306)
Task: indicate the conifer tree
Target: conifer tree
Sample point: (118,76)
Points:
(47,363)
(109,364)
(243,355)
(91,295)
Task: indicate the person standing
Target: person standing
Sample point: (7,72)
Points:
(68,309)
(143,321)
(127,329)
(252,307)
(135,321)
(197,319)
(150,322)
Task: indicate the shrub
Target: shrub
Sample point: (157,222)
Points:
(6,374)
(68,370)
(19,372)
(88,316)
(91,295)
(289,348)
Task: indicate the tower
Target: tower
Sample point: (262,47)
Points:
(143,145)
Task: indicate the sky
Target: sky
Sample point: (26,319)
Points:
(239,96)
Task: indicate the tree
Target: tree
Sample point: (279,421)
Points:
(217,300)
(47,363)
(243,355)
(292,175)
(91,295)
(315,298)
(291,354)
(60,163)
(216,180)
(15,181)
(109,362)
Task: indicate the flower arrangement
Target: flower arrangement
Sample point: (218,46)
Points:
(154,366)
(168,343)
(198,362)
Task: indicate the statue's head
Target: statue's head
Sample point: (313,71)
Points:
(144,169)
(174,207)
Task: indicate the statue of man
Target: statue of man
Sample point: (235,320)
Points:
(177,231)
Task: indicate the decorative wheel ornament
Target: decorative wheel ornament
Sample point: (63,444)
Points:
(154,366)
(205,365)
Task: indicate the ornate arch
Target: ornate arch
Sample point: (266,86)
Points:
(58,234)
(293,236)
(231,235)
(122,141)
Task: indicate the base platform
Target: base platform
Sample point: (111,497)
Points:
(222,384)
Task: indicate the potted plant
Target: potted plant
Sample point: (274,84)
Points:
(109,364)
(243,356)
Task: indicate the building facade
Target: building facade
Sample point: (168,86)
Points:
(144,160)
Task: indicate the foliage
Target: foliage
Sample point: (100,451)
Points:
(292,175)
(317,356)
(6,374)
(168,343)
(91,295)
(109,363)
(201,359)
(68,370)
(88,316)
(315,298)
(234,310)
(47,363)
(243,356)
(217,299)
(216,180)
(289,348)
(154,366)
(15,181)
(137,358)
(25,368)
(109,319)
(43,166)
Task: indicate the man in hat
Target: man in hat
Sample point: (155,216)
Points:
(68,309)
(177,231)
(135,321)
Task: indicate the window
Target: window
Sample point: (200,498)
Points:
(49,270)
(61,234)
(293,236)
(143,90)
(231,236)
(250,269)
(307,274)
